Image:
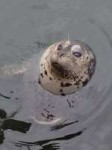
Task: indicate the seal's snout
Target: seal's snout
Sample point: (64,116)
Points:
(59,70)
(56,66)
(60,53)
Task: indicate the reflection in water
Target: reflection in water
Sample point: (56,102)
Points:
(15,125)
(1,136)
(62,125)
(44,142)
(3,114)
(6,97)
(53,146)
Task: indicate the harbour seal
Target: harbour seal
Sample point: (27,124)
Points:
(66,67)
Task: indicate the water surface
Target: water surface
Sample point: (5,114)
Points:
(27,28)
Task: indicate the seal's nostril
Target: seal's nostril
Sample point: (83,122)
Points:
(60,54)
(55,64)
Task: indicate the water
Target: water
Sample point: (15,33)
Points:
(26,28)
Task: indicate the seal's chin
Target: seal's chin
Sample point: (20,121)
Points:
(59,70)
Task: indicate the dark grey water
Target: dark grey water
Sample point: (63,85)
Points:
(81,121)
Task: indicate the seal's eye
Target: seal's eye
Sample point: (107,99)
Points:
(76,54)
(59,47)
(76,51)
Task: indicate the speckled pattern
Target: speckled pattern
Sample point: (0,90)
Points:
(69,73)
(26,28)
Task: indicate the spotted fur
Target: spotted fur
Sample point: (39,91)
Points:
(61,73)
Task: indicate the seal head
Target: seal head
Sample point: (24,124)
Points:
(66,66)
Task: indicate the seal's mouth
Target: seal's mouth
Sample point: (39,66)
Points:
(59,70)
